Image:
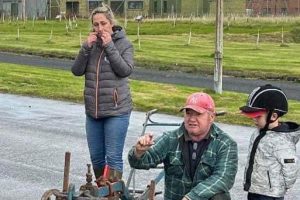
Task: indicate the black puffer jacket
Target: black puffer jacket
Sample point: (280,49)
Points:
(106,70)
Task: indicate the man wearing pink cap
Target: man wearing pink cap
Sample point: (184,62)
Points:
(200,160)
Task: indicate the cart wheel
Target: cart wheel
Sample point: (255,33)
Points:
(50,194)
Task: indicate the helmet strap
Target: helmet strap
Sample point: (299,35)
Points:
(268,120)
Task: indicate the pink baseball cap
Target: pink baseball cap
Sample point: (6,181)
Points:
(199,102)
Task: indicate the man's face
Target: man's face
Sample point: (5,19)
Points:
(198,124)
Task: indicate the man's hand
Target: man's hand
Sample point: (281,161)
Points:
(143,144)
(184,198)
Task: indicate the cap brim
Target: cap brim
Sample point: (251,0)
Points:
(195,108)
(248,109)
(254,114)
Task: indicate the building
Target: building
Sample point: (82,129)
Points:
(272,7)
(83,8)
(146,8)
(20,8)
(164,8)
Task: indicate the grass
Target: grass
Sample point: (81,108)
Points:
(164,46)
(62,85)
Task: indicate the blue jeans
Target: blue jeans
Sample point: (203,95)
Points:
(106,138)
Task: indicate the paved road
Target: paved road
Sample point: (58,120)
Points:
(35,133)
(229,83)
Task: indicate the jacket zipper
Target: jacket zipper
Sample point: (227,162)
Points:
(97,84)
(269,179)
(116,97)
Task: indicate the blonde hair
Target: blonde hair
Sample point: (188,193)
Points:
(106,10)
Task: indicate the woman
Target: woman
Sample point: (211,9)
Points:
(106,60)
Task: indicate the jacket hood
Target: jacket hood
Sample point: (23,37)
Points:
(292,129)
(118,32)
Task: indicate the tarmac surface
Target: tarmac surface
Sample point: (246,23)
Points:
(292,89)
(35,134)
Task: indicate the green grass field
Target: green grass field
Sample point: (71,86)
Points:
(62,85)
(165,46)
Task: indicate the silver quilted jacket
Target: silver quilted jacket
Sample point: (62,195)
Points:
(275,165)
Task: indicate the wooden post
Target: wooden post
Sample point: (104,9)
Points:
(66,171)
(218,47)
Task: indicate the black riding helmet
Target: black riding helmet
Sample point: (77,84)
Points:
(268,98)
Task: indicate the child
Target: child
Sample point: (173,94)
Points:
(272,167)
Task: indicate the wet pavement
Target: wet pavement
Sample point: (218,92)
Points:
(35,134)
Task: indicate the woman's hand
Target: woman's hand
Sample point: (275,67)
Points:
(105,37)
(91,39)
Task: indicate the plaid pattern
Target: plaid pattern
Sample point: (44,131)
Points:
(214,174)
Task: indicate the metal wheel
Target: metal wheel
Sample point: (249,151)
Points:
(50,194)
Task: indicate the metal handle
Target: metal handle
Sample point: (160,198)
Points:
(66,171)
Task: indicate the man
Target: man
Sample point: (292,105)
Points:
(200,160)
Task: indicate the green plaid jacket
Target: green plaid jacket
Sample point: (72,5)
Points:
(215,172)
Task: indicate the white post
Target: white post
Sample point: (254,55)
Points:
(33,19)
(218,47)
(197,8)
(138,35)
(298,7)
(23,10)
(257,40)
(50,4)
(18,33)
(50,37)
(267,7)
(80,38)
(125,14)
(282,35)
(161,8)
(190,35)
